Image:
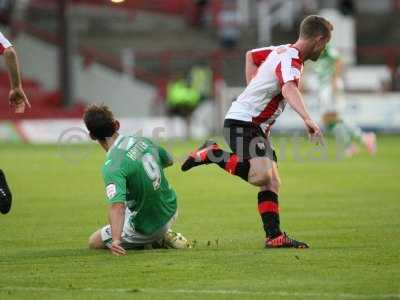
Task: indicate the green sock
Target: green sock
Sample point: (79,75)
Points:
(342,135)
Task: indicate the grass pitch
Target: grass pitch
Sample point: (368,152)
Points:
(347,210)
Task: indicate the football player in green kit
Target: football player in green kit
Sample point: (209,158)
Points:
(143,205)
(328,69)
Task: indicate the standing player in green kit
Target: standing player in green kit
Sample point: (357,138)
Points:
(143,205)
(330,92)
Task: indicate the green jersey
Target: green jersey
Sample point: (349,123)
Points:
(325,66)
(133,174)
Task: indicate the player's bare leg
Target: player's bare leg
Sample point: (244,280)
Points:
(258,171)
(274,184)
(369,141)
(95,241)
(261,171)
(348,136)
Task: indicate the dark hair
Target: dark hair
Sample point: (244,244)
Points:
(100,122)
(314,25)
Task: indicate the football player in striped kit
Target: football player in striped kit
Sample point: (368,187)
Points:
(272,75)
(18,102)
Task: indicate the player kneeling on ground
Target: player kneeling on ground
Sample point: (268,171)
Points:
(142,203)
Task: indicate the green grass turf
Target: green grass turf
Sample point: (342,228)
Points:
(347,210)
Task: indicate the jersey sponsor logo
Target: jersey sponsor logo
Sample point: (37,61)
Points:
(111,190)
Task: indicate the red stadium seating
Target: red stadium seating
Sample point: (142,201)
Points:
(177,7)
(44,104)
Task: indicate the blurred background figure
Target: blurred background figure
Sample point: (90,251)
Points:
(200,8)
(229,25)
(201,77)
(6,9)
(182,99)
(329,70)
(347,7)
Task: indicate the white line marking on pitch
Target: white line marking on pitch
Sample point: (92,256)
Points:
(186,291)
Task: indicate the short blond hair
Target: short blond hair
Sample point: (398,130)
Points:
(314,25)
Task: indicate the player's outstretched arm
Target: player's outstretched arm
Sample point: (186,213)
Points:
(295,100)
(165,157)
(293,96)
(116,215)
(17,97)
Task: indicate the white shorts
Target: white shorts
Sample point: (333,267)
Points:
(330,101)
(131,239)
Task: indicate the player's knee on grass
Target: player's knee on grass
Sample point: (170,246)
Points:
(95,241)
(260,173)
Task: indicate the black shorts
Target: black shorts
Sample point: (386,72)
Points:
(247,140)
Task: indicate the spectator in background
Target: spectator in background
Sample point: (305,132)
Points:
(396,79)
(182,99)
(347,7)
(6,10)
(309,7)
(200,7)
(229,25)
(201,80)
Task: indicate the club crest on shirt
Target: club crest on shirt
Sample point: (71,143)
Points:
(261,146)
(111,190)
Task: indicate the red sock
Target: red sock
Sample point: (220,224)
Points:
(235,165)
(268,207)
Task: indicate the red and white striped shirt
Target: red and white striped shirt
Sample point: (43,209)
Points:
(4,43)
(262,101)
